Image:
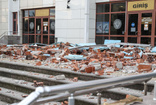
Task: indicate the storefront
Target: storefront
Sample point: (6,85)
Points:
(128,21)
(39,25)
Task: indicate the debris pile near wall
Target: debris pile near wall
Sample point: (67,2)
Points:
(96,59)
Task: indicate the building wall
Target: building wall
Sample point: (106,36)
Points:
(3,16)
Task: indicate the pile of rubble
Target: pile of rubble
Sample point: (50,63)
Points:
(96,59)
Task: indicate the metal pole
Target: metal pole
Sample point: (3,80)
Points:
(154,91)
(145,88)
(71,100)
(99,98)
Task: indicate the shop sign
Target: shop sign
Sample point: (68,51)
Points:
(146,19)
(146,26)
(99,27)
(117,24)
(133,28)
(140,5)
(31,25)
(105,27)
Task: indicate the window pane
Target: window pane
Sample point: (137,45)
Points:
(132,40)
(45,25)
(45,39)
(52,25)
(31,25)
(38,26)
(31,13)
(52,12)
(38,38)
(145,40)
(115,7)
(102,24)
(25,25)
(146,24)
(52,39)
(14,28)
(102,8)
(118,24)
(117,38)
(25,39)
(31,38)
(100,39)
(133,24)
(14,15)
(25,13)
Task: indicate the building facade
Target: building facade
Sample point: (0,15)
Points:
(79,21)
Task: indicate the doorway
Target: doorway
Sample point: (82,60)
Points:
(42,26)
(140,27)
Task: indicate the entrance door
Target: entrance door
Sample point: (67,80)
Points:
(140,27)
(42,32)
(133,28)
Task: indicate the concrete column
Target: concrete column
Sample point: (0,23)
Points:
(9,18)
(86,36)
(18,17)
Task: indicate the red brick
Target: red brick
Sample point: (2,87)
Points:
(142,68)
(38,63)
(89,69)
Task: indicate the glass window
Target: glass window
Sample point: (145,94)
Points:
(52,25)
(52,39)
(31,13)
(132,40)
(118,24)
(25,39)
(52,12)
(38,26)
(102,24)
(15,15)
(145,40)
(146,24)
(14,28)
(133,24)
(25,13)
(116,7)
(31,25)
(117,38)
(31,38)
(45,25)
(101,39)
(25,25)
(45,39)
(102,8)
(38,38)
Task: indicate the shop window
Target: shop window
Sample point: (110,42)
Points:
(25,13)
(25,25)
(102,24)
(132,40)
(117,38)
(52,25)
(118,24)
(101,39)
(45,39)
(146,24)
(155,42)
(31,13)
(31,26)
(38,26)
(25,39)
(133,24)
(45,25)
(52,12)
(116,7)
(52,39)
(38,38)
(31,38)
(102,8)
(145,40)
